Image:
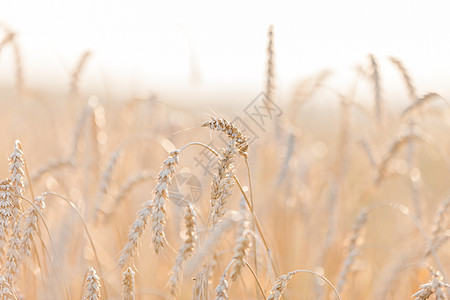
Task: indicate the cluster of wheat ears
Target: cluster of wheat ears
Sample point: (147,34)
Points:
(277,208)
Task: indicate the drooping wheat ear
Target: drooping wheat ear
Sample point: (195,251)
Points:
(243,242)
(52,166)
(107,178)
(270,68)
(16,168)
(420,102)
(77,72)
(222,184)
(128,289)
(185,251)
(92,285)
(439,225)
(6,213)
(406,77)
(30,226)
(221,290)
(155,206)
(353,248)
(13,257)
(6,291)
(375,76)
(435,286)
(223,125)
(393,150)
(279,286)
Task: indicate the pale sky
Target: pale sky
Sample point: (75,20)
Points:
(169,45)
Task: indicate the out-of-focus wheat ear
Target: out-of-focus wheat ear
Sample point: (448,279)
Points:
(6,214)
(223,125)
(222,184)
(50,166)
(128,289)
(126,188)
(19,64)
(75,78)
(393,150)
(16,168)
(30,225)
(270,67)
(420,102)
(10,268)
(79,128)
(435,286)
(406,77)
(106,179)
(92,285)
(6,39)
(376,81)
(439,225)
(6,291)
(353,248)
(185,251)
(221,290)
(243,242)
(154,208)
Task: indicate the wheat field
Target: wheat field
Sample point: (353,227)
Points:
(344,202)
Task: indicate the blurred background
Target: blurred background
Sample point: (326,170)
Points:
(201,52)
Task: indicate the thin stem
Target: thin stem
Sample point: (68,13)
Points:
(256,278)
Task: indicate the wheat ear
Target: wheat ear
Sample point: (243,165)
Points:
(92,285)
(225,126)
(406,77)
(6,213)
(155,206)
(128,289)
(375,76)
(435,286)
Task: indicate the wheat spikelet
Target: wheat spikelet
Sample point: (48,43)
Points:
(185,251)
(13,257)
(16,168)
(6,212)
(222,184)
(279,286)
(435,287)
(223,125)
(406,77)
(30,226)
(6,291)
(157,206)
(128,289)
(375,76)
(77,72)
(353,248)
(92,285)
(270,72)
